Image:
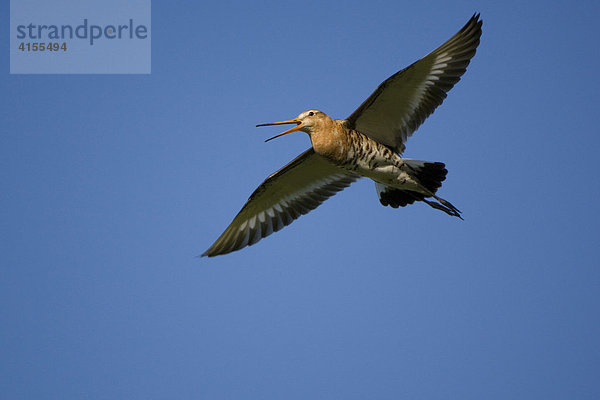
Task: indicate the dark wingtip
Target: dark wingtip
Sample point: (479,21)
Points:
(474,21)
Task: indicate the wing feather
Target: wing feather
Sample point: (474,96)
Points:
(294,190)
(402,102)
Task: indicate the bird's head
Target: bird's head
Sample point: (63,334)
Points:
(308,121)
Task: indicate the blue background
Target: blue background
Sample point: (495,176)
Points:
(111,185)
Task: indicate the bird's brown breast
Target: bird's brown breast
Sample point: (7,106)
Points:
(331,142)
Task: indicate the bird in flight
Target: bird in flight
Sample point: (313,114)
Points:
(368,143)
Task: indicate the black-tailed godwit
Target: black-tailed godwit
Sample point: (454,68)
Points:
(368,143)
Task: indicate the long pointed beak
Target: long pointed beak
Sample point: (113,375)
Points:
(290,121)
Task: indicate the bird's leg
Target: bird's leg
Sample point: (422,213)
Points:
(446,204)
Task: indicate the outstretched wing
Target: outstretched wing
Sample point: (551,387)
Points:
(402,102)
(295,189)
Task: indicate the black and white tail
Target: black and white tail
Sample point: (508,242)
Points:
(430,175)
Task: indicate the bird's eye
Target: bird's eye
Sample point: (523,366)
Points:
(310,114)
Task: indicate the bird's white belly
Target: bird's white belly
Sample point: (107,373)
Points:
(389,171)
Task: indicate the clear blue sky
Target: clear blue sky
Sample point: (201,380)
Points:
(111,185)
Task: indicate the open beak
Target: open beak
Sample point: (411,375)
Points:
(291,121)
